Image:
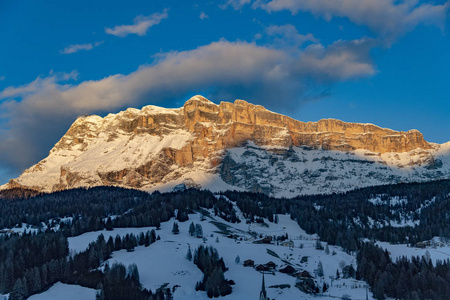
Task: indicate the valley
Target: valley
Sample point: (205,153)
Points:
(326,230)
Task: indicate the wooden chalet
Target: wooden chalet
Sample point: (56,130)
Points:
(249,263)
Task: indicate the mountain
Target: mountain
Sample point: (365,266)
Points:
(232,146)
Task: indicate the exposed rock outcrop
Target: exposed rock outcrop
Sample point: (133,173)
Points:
(153,146)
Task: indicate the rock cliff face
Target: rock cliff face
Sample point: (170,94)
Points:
(156,147)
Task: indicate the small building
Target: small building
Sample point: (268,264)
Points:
(306,285)
(289,244)
(265,240)
(288,270)
(261,268)
(439,244)
(233,236)
(421,245)
(249,263)
(304,274)
(271,265)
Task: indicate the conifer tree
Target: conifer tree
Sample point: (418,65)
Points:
(147,239)
(108,225)
(319,245)
(189,254)
(198,230)
(192,229)
(19,291)
(133,273)
(320,269)
(175,228)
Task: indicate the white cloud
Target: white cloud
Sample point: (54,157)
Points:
(203,16)
(340,61)
(236,4)
(223,62)
(38,85)
(387,18)
(140,25)
(79,47)
(287,35)
(37,113)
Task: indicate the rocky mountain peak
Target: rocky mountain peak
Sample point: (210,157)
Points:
(199,98)
(152,147)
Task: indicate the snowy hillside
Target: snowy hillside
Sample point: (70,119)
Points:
(96,233)
(165,262)
(288,172)
(66,292)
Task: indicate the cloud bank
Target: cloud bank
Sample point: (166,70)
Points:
(141,24)
(387,18)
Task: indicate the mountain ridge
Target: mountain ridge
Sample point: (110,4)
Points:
(154,147)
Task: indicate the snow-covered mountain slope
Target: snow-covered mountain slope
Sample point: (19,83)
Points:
(232,146)
(286,172)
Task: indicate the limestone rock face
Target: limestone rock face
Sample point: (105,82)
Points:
(155,146)
(231,124)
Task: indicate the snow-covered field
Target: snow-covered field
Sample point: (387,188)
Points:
(81,242)
(165,260)
(396,251)
(61,291)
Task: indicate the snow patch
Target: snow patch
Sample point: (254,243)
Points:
(67,292)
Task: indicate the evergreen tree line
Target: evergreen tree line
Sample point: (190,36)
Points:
(31,262)
(18,193)
(162,207)
(224,209)
(90,208)
(414,279)
(117,282)
(123,283)
(213,268)
(340,219)
(101,250)
(79,203)
(345,218)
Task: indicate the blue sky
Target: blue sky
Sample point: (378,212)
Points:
(374,61)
